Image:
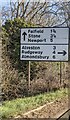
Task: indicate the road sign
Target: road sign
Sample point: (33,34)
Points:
(49,44)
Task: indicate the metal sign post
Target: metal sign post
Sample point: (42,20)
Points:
(60,74)
(28,77)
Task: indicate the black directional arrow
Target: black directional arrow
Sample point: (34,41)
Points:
(24,34)
(63,52)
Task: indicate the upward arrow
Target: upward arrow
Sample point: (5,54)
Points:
(24,34)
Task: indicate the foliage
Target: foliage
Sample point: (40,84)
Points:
(12,30)
(19,106)
(55,13)
(13,47)
(14,83)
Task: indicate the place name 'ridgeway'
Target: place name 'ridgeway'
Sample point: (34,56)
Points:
(32,52)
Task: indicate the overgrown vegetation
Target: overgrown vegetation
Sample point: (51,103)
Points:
(19,106)
(15,72)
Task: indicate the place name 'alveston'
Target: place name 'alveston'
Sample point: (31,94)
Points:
(31,47)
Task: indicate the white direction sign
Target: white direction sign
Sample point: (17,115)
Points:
(49,44)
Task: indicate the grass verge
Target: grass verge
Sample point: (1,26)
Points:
(21,105)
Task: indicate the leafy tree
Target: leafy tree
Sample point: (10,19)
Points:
(52,13)
(12,30)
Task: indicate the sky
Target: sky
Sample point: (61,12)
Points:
(4,2)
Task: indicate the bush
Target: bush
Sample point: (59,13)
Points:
(14,80)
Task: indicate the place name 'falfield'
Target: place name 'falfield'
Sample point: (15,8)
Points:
(35,31)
